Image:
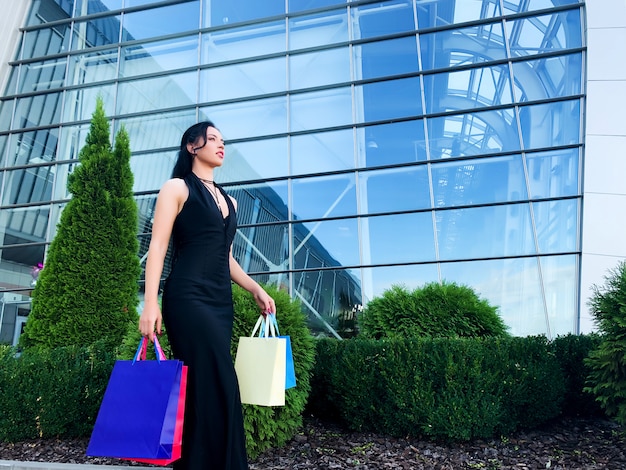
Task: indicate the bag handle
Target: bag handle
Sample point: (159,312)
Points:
(267,328)
(140,355)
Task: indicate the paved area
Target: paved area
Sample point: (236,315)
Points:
(16,465)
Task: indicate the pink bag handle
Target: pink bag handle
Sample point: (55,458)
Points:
(140,355)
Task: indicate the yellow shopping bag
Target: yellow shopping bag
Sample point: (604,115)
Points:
(260,364)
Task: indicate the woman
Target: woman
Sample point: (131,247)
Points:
(197,299)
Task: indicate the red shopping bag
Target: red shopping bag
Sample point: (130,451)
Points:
(141,415)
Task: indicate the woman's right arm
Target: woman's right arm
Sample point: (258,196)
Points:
(169,203)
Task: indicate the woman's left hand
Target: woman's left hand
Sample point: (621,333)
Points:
(264,301)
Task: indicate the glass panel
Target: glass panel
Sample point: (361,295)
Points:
(262,248)
(249,119)
(92,67)
(546,33)
(447,12)
(326,243)
(551,124)
(24,225)
(33,147)
(301,5)
(255,160)
(385,58)
(6,112)
(390,144)
(159,56)
(560,274)
(235,11)
(4,149)
(378,19)
(28,185)
(16,266)
(323,151)
(151,170)
(168,91)
(62,171)
(396,189)
(42,13)
(155,131)
(96,32)
(399,238)
(99,6)
(248,79)
(324,196)
(557,225)
(496,179)
(15,311)
(552,77)
(260,203)
(40,110)
(48,41)
(247,41)
(72,141)
(80,104)
(518,6)
(320,29)
(472,134)
(513,285)
(377,280)
(458,47)
(388,100)
(161,21)
(554,174)
(485,232)
(331,299)
(319,68)
(44,75)
(468,89)
(321,109)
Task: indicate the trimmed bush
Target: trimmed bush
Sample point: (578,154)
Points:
(435,310)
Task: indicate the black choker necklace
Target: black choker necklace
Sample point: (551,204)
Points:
(213,193)
(206,181)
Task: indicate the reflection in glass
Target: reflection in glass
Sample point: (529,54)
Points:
(33,147)
(391,144)
(151,170)
(557,223)
(48,41)
(43,75)
(319,109)
(325,244)
(322,151)
(398,238)
(320,29)
(248,79)
(6,113)
(96,32)
(161,21)
(28,185)
(37,110)
(552,77)
(260,203)
(156,131)
(166,91)
(447,12)
(472,134)
(323,196)
(387,100)
(243,42)
(381,18)
(159,56)
(62,172)
(236,11)
(461,233)
(81,103)
(319,68)
(24,225)
(301,5)
(467,182)
(394,189)
(254,160)
(72,140)
(551,124)
(262,248)
(16,264)
(4,140)
(379,279)
(41,12)
(554,174)
(561,291)
(385,58)
(92,67)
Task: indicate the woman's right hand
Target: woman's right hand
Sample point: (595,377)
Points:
(150,320)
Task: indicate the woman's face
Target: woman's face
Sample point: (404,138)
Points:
(211,150)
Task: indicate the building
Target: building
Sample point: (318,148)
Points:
(369,143)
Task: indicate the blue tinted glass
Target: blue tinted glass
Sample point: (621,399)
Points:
(394,189)
(33,147)
(453,48)
(471,134)
(385,58)
(42,42)
(28,185)
(252,160)
(81,103)
(488,180)
(156,131)
(323,196)
(468,89)
(485,232)
(447,12)
(48,11)
(259,203)
(45,75)
(263,248)
(319,68)
(519,6)
(167,91)
(322,151)
(236,11)
(302,5)
(400,238)
(389,99)
(99,6)
(96,32)
(151,170)
(556,222)
(377,280)
(6,111)
(554,174)
(326,243)
(242,42)
(320,29)
(39,110)
(159,56)
(389,144)
(161,21)
(552,77)
(4,146)
(92,67)
(550,124)
(560,280)
(381,18)
(321,109)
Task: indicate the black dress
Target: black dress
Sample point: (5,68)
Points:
(198,317)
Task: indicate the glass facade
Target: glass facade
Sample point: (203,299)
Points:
(368,143)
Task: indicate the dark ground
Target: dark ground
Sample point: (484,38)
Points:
(563,445)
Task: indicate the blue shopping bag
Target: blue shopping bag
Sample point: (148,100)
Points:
(290,372)
(140,417)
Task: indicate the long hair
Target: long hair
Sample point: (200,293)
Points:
(195,135)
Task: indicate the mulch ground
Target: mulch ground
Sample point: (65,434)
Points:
(563,445)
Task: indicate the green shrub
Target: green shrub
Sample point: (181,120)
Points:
(607,363)
(265,426)
(435,310)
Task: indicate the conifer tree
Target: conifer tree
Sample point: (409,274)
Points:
(87,290)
